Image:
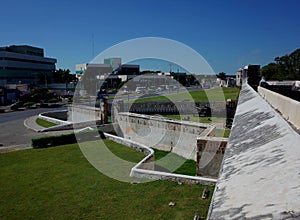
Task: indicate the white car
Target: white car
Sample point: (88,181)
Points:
(125,92)
(140,90)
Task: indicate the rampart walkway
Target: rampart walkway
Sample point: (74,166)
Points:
(259,178)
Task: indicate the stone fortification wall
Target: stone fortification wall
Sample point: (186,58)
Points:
(161,133)
(218,109)
(210,153)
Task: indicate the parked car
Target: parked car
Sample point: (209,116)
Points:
(124,92)
(140,90)
(151,89)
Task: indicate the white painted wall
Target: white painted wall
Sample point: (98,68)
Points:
(289,108)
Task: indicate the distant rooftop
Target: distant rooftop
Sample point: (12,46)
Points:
(24,49)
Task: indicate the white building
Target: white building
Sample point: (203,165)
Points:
(80,68)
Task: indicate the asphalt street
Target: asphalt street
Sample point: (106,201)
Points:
(14,133)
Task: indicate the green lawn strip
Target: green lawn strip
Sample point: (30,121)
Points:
(187,167)
(220,132)
(212,95)
(196,118)
(59,183)
(44,123)
(226,133)
(124,153)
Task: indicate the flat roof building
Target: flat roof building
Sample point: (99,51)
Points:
(128,69)
(25,64)
(113,62)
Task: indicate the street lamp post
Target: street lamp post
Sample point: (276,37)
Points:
(97,81)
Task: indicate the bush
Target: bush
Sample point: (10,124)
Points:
(53,100)
(2,110)
(27,104)
(50,141)
(16,106)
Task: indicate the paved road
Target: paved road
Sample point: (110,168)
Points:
(12,129)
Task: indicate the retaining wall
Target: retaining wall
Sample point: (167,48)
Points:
(54,117)
(210,153)
(61,115)
(82,113)
(289,108)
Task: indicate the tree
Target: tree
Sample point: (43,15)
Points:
(39,94)
(222,76)
(286,67)
(270,71)
(192,80)
(62,76)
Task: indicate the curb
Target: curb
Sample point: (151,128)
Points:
(28,126)
(14,148)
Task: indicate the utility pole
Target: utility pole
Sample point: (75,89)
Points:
(170,67)
(93,46)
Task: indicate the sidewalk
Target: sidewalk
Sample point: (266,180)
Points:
(30,123)
(14,148)
(30,130)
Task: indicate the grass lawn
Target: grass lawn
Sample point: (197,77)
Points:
(44,123)
(196,118)
(59,183)
(225,133)
(187,168)
(219,133)
(215,94)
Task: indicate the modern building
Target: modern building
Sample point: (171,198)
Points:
(113,62)
(96,70)
(80,68)
(25,64)
(128,69)
(106,76)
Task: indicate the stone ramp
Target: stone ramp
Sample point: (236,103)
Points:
(259,178)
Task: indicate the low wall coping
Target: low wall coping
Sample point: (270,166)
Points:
(158,174)
(158,118)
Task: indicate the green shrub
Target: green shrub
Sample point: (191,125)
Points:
(50,141)
(53,100)
(2,110)
(27,104)
(16,106)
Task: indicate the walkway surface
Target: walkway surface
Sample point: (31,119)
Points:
(30,123)
(18,128)
(259,178)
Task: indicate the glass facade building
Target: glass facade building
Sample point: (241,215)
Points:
(25,64)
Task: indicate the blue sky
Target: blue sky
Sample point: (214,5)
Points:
(228,34)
